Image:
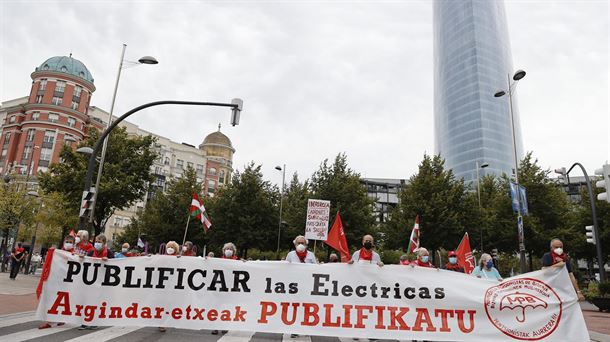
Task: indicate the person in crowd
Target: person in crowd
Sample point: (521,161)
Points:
(452,265)
(187,249)
(17,256)
(333,257)
(301,254)
(486,268)
(366,254)
(423,258)
(127,252)
(35,262)
(404,260)
(229,251)
(100,250)
(67,246)
(210,254)
(171,249)
(556,257)
(82,247)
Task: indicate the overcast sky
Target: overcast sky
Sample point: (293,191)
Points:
(317,77)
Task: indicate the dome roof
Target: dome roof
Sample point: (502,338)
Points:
(67,65)
(217,138)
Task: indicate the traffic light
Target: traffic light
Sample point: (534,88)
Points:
(86,202)
(604,183)
(236,112)
(590,234)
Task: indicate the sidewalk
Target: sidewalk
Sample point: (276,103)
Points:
(598,323)
(18,295)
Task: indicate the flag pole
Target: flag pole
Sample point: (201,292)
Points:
(186,229)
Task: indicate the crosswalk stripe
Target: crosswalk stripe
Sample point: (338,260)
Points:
(24,317)
(34,333)
(236,336)
(106,334)
(299,338)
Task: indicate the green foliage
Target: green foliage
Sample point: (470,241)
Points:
(56,217)
(16,208)
(390,257)
(604,289)
(125,177)
(341,186)
(592,291)
(294,211)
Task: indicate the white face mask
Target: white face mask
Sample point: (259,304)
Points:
(67,245)
(98,245)
(77,240)
(558,251)
(170,251)
(228,253)
(124,250)
(301,248)
(184,248)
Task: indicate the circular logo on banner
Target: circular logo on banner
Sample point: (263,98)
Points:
(524,309)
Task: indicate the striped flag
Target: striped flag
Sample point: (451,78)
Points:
(198,212)
(414,240)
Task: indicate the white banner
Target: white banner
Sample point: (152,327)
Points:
(316,225)
(359,300)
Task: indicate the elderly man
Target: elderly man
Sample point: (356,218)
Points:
(366,254)
(557,258)
(82,243)
(301,254)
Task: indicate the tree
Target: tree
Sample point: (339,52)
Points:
(16,208)
(294,212)
(165,216)
(341,186)
(125,177)
(245,212)
(440,201)
(56,218)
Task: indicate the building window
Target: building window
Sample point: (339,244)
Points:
(56,100)
(211,186)
(189,165)
(60,86)
(180,163)
(158,170)
(12,119)
(166,162)
(43,84)
(39,99)
(221,178)
(7,137)
(71,122)
(53,117)
(35,116)
(74,105)
(68,139)
(212,171)
(31,134)
(26,152)
(45,154)
(77,91)
(199,168)
(49,136)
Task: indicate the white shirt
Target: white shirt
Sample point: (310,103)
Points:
(376,259)
(310,258)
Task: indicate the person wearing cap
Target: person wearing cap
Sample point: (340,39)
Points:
(301,254)
(452,265)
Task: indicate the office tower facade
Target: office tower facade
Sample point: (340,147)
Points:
(472,61)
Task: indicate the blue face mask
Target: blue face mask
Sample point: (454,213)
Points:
(425,258)
(453,260)
(490,264)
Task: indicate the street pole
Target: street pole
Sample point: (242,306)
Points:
(479,196)
(236,106)
(279,225)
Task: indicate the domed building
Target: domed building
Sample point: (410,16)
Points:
(54,114)
(218,150)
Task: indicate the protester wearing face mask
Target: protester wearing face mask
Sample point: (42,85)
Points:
(366,254)
(486,268)
(187,249)
(100,250)
(423,259)
(453,265)
(557,258)
(333,257)
(301,254)
(172,248)
(82,247)
(229,251)
(404,260)
(68,245)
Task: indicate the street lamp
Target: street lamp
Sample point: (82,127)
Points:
(279,225)
(562,171)
(482,166)
(236,106)
(519,74)
(144,60)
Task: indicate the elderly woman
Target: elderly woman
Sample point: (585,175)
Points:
(229,251)
(187,249)
(100,250)
(423,258)
(486,268)
(82,243)
(171,249)
(301,254)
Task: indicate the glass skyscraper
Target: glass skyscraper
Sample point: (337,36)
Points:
(472,61)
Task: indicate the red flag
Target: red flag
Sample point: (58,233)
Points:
(72,233)
(414,239)
(464,255)
(197,211)
(336,239)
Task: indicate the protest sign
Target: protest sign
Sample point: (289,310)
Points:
(316,226)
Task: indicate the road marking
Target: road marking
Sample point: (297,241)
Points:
(106,334)
(35,333)
(24,317)
(236,336)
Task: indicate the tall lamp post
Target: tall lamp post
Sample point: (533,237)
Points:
(279,224)
(519,74)
(236,106)
(143,60)
(481,166)
(598,245)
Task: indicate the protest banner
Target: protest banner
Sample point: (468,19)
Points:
(359,300)
(316,225)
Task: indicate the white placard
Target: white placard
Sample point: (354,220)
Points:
(316,225)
